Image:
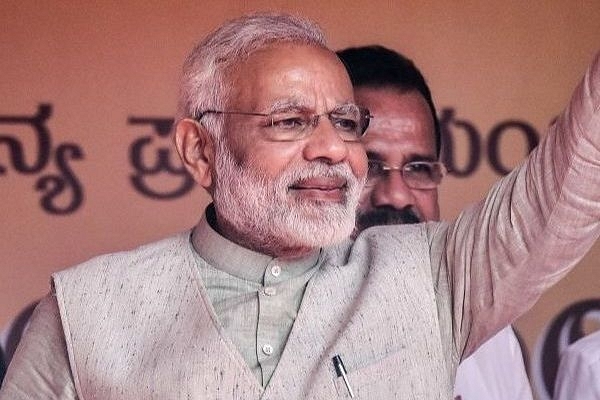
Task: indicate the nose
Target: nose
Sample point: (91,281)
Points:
(391,191)
(325,144)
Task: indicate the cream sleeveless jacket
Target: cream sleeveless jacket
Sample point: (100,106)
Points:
(138,325)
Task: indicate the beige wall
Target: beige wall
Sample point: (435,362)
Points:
(100,64)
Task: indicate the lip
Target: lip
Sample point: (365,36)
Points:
(330,189)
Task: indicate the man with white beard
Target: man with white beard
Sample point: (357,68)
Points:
(403,148)
(266,298)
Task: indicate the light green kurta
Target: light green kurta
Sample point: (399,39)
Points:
(255,297)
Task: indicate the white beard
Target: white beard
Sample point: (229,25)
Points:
(268,217)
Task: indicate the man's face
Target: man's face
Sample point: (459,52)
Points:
(401,131)
(284,198)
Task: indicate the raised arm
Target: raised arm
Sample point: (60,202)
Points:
(533,226)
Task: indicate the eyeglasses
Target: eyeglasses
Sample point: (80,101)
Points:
(349,120)
(416,174)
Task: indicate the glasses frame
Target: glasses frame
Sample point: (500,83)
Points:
(386,169)
(313,121)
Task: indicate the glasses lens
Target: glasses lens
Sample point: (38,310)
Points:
(423,174)
(365,119)
(350,120)
(416,175)
(287,126)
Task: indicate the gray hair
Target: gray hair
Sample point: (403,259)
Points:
(204,83)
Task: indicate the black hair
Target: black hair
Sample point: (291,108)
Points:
(378,67)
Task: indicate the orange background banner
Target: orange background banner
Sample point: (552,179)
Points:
(108,70)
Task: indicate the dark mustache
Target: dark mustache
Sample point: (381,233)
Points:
(386,216)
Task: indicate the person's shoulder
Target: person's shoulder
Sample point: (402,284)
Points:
(586,350)
(393,240)
(505,337)
(393,231)
(579,370)
(149,254)
(503,345)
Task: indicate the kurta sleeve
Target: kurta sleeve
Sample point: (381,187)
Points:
(535,224)
(40,367)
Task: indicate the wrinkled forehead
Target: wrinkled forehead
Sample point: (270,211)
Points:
(302,74)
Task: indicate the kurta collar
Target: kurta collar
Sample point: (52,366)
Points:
(239,261)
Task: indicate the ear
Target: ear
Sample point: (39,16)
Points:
(196,150)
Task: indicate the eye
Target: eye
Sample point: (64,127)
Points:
(420,168)
(344,123)
(288,121)
(375,168)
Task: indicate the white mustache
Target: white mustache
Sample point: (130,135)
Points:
(317,169)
